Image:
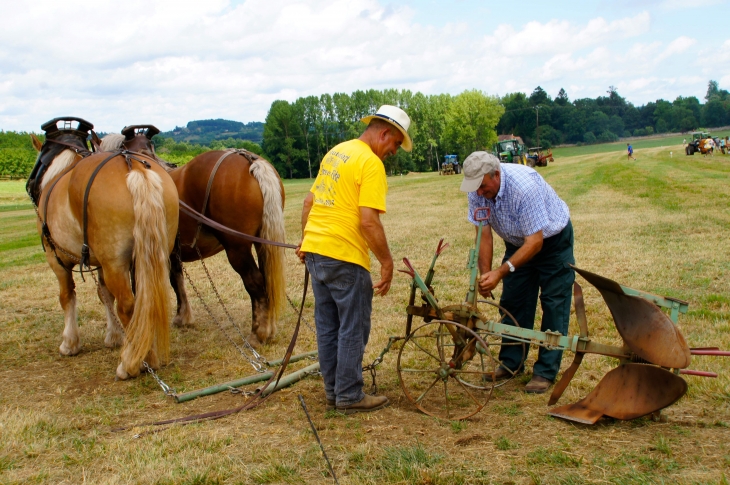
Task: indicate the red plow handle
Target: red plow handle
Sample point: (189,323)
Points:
(719,353)
(480,210)
(699,373)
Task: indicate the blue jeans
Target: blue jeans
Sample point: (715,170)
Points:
(343,297)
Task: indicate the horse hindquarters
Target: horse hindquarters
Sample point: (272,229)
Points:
(148,332)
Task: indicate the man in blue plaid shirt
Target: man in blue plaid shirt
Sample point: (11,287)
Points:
(538,236)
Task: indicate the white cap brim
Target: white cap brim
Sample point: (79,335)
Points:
(471,184)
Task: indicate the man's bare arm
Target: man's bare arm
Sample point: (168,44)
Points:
(374,234)
(486,249)
(306,208)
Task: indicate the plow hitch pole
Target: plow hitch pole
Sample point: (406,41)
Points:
(473,263)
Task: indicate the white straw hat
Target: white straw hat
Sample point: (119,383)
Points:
(396,117)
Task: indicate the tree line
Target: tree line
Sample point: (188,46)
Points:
(538,118)
(297,135)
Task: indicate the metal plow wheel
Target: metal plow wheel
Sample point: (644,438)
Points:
(487,358)
(431,377)
(627,392)
(447,366)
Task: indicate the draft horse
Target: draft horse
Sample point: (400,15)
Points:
(241,191)
(116,212)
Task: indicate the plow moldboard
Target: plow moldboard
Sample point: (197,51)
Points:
(647,330)
(627,392)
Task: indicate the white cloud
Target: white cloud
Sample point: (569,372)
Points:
(170,62)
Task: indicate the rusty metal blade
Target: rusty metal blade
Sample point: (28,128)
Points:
(647,330)
(627,392)
(580,313)
(562,384)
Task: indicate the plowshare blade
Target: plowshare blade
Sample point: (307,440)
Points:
(647,330)
(627,392)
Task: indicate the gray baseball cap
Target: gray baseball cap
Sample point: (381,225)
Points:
(476,166)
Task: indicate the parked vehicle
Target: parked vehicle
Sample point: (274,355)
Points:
(511,151)
(700,142)
(450,165)
(537,158)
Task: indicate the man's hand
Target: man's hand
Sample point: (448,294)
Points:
(299,252)
(488,281)
(386,277)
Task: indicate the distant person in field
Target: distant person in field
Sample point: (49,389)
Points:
(684,142)
(340,225)
(538,236)
(630,150)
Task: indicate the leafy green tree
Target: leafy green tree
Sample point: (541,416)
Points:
(471,121)
(713,90)
(283,138)
(714,113)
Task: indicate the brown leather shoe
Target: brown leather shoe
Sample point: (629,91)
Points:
(330,405)
(500,374)
(538,385)
(367,404)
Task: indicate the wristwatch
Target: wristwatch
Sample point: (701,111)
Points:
(511,266)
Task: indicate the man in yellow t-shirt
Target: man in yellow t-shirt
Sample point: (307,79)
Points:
(340,225)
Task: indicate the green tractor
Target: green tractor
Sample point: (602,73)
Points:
(698,143)
(511,151)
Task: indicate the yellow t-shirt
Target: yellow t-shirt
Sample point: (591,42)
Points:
(350,176)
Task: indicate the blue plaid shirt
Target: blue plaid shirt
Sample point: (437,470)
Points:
(524,205)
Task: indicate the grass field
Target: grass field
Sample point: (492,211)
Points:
(659,224)
(670,143)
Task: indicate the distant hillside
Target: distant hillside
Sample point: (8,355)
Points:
(202,132)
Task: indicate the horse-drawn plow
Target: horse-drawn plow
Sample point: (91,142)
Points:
(446,366)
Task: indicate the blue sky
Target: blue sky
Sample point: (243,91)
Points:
(166,63)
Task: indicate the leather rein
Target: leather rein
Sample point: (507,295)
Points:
(189,211)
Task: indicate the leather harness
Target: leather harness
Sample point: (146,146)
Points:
(200,216)
(85,251)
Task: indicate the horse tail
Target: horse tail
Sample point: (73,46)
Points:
(148,327)
(272,227)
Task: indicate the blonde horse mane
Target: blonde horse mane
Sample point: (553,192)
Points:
(58,165)
(113,141)
(272,228)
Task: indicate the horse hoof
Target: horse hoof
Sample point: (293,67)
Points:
(69,350)
(113,340)
(121,373)
(182,322)
(254,341)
